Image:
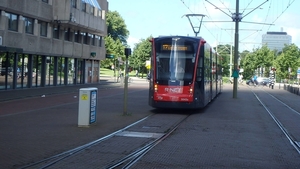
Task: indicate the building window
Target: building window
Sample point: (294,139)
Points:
(74,3)
(89,38)
(12,21)
(46,1)
(100,41)
(85,37)
(100,13)
(29,25)
(56,32)
(93,40)
(76,36)
(67,35)
(92,10)
(83,6)
(43,28)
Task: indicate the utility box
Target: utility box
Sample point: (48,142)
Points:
(87,109)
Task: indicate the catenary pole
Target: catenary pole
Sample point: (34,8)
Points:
(236,48)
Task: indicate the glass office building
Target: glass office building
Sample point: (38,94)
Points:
(276,40)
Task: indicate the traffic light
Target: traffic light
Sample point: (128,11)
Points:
(127,52)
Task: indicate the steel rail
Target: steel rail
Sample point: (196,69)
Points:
(66,154)
(295,111)
(291,139)
(139,153)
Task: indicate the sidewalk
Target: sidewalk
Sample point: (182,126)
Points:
(7,95)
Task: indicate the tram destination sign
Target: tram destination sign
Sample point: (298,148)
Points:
(168,47)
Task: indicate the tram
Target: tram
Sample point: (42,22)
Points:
(185,73)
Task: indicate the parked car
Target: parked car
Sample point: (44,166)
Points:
(263,81)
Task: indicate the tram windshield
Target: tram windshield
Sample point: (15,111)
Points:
(175,60)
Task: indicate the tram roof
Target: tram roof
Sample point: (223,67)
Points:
(179,36)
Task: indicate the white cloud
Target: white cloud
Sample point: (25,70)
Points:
(131,41)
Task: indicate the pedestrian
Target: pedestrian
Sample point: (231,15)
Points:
(255,80)
(241,78)
(272,79)
(136,73)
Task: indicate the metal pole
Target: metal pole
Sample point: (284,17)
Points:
(236,48)
(127,53)
(115,67)
(125,87)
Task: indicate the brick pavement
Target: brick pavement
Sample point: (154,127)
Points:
(34,127)
(45,132)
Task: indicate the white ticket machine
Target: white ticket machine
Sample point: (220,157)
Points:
(87,110)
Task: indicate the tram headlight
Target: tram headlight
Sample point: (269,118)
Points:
(191,90)
(155,87)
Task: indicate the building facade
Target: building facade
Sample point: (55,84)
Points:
(276,40)
(51,42)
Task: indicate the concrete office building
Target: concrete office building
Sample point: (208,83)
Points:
(51,42)
(276,40)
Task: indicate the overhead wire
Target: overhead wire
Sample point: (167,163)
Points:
(288,5)
(198,18)
(272,5)
(265,20)
(284,7)
(213,23)
(247,6)
(225,7)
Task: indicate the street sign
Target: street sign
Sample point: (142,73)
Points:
(110,56)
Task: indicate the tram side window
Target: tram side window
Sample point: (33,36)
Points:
(199,69)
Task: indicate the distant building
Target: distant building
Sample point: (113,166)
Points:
(276,40)
(51,42)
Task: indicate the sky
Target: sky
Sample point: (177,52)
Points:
(145,18)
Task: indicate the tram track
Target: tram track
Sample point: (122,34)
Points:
(282,114)
(135,156)
(126,161)
(47,162)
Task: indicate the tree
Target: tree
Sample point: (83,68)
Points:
(224,52)
(116,27)
(115,41)
(114,47)
(257,62)
(288,62)
(141,53)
